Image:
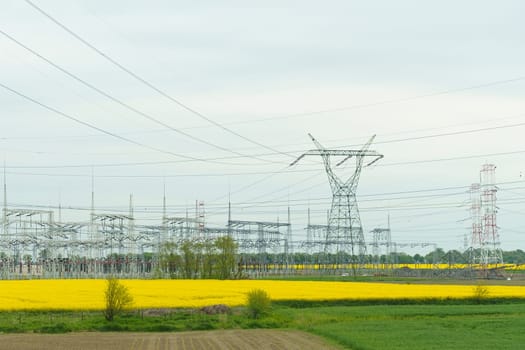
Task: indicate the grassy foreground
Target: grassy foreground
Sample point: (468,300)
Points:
(484,326)
(417,326)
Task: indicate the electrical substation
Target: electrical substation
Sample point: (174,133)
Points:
(34,244)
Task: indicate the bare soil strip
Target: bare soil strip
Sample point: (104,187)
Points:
(203,340)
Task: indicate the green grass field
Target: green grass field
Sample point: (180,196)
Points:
(416,326)
(484,326)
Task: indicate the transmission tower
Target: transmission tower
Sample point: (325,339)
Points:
(491,251)
(486,248)
(476,228)
(344,232)
(381,237)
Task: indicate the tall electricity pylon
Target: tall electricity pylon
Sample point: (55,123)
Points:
(344,232)
(486,247)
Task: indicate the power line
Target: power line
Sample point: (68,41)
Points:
(272,203)
(110,165)
(428,136)
(384,102)
(505,126)
(109,133)
(124,104)
(421,161)
(369,197)
(156,209)
(325,201)
(151,131)
(293,115)
(462,132)
(271,174)
(464,188)
(395,207)
(160,176)
(454,133)
(265,154)
(159,210)
(149,84)
(441,159)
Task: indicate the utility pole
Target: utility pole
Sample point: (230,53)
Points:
(4,213)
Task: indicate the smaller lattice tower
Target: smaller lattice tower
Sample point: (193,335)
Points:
(381,237)
(4,210)
(200,218)
(486,244)
(491,253)
(476,238)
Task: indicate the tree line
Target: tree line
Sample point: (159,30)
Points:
(219,258)
(440,256)
(210,258)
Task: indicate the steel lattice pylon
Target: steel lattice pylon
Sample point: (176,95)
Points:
(344,232)
(485,251)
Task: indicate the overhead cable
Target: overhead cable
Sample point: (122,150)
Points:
(124,104)
(109,133)
(147,83)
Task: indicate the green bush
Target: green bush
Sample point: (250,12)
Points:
(117,297)
(258,303)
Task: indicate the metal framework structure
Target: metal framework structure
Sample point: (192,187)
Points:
(381,237)
(476,231)
(175,228)
(485,251)
(397,245)
(343,236)
(34,245)
(256,239)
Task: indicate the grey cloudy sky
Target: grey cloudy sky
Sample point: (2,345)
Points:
(272,72)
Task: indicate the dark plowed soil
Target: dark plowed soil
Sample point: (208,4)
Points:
(206,340)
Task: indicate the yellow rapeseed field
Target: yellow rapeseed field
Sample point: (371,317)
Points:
(89,294)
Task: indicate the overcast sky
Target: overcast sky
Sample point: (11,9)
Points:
(441,83)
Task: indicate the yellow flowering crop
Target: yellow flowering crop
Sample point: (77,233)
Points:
(89,294)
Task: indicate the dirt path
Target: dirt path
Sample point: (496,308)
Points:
(205,340)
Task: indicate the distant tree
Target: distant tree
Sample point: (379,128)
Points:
(189,259)
(209,253)
(454,257)
(435,257)
(117,297)
(404,258)
(419,259)
(226,260)
(514,256)
(169,260)
(300,258)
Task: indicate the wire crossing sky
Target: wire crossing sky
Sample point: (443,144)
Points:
(212,101)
